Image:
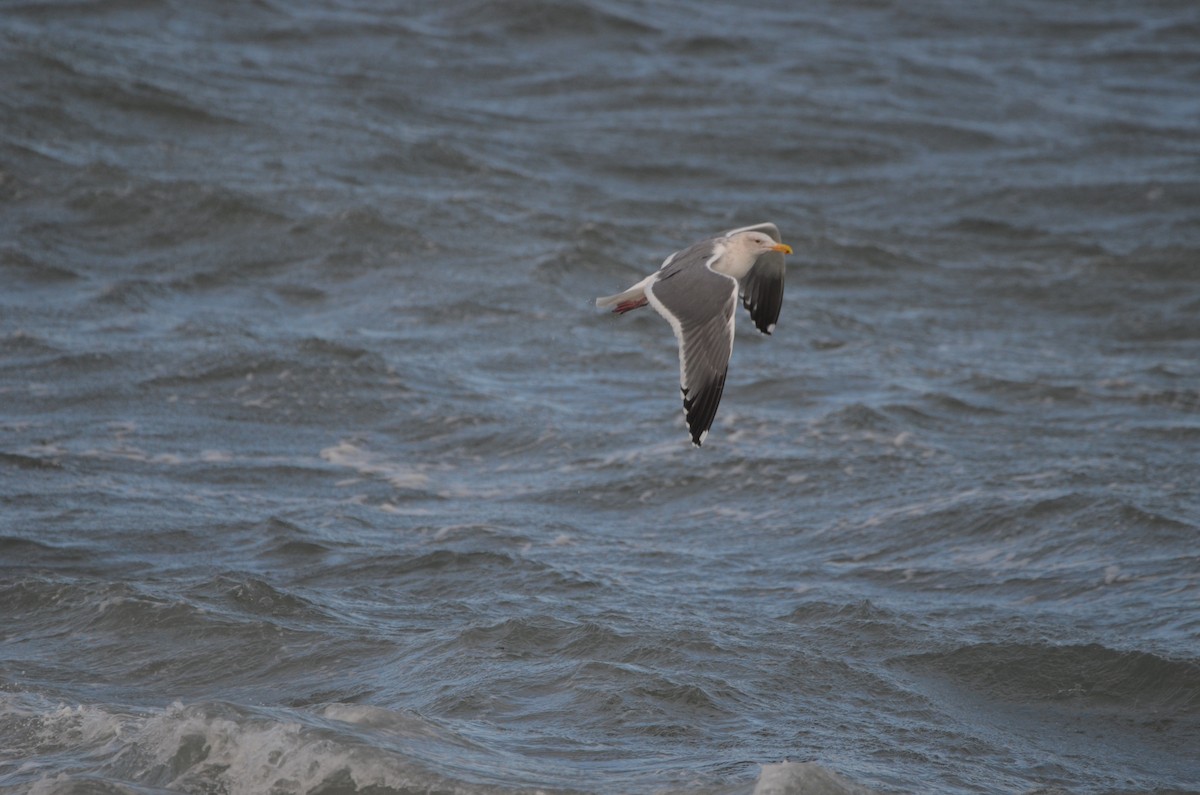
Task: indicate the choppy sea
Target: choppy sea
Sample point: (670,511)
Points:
(320,472)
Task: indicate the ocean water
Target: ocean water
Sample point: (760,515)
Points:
(320,473)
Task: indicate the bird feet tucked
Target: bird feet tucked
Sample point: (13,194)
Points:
(626,306)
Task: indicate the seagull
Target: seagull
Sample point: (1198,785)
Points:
(696,290)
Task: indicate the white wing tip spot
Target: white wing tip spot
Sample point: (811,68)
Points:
(771,328)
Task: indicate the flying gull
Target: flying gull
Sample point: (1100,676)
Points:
(696,290)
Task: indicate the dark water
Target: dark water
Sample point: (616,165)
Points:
(320,473)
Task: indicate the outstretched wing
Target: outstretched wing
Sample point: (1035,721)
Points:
(761,289)
(699,305)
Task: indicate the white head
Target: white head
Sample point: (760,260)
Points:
(743,249)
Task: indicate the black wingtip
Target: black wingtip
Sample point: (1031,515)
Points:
(701,409)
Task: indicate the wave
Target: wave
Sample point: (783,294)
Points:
(24,268)
(531,19)
(799,778)
(330,749)
(214,746)
(1136,686)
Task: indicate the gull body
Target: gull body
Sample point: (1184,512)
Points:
(696,289)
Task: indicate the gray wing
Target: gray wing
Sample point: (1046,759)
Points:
(699,305)
(761,289)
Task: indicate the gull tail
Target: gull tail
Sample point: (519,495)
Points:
(624,301)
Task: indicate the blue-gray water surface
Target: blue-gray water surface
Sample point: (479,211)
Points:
(320,472)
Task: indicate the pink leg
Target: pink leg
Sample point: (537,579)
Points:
(626,306)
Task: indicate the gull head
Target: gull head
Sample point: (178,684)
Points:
(743,249)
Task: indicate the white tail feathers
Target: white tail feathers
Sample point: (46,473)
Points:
(635,294)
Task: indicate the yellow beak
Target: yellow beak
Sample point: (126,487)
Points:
(782,247)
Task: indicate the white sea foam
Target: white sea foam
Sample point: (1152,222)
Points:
(212,747)
(804,778)
(373,465)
